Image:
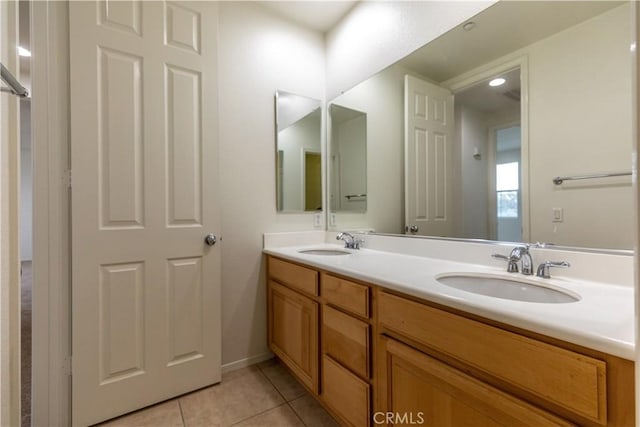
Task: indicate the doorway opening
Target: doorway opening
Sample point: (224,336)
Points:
(489,123)
(26,215)
(312,181)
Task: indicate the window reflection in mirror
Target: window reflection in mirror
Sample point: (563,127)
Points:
(298,153)
(348,159)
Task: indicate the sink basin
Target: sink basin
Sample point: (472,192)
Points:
(330,252)
(506,288)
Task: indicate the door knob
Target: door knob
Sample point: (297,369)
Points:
(210,239)
(413,229)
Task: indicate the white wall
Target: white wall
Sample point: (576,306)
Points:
(382,99)
(474,221)
(351,147)
(375,35)
(259,54)
(580,123)
(26,183)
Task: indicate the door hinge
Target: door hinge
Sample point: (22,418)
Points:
(67,178)
(67,366)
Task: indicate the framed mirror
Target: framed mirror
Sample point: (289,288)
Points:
(348,159)
(298,153)
(468,135)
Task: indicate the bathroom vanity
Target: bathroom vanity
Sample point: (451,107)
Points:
(375,349)
(435,331)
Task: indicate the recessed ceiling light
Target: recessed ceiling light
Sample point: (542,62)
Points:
(497,82)
(23,52)
(469,26)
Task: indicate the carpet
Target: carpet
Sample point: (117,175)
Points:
(25,338)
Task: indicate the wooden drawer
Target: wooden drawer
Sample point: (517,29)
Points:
(345,294)
(345,393)
(571,380)
(346,339)
(294,276)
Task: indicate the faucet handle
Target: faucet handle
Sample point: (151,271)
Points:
(512,266)
(543,269)
(357,243)
(350,242)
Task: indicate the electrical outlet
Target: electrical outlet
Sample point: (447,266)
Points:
(317,219)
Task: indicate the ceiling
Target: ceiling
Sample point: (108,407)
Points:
(316,15)
(488,99)
(525,22)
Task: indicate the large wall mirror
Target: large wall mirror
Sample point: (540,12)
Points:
(467,136)
(298,153)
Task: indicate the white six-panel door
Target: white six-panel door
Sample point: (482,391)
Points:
(429,127)
(146,288)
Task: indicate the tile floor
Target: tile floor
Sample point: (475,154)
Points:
(262,395)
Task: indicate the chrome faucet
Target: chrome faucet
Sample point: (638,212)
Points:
(519,253)
(350,242)
(543,269)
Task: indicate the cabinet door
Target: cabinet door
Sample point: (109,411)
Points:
(418,389)
(293,332)
(345,393)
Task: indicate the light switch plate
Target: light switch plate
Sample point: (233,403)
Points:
(558,215)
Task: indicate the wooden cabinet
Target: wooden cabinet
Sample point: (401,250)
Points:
(586,388)
(346,349)
(376,357)
(419,389)
(293,321)
(563,377)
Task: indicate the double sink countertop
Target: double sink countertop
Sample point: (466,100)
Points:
(602,319)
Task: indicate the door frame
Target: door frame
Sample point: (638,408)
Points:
(481,73)
(9,225)
(51,363)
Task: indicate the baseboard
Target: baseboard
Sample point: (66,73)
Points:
(243,363)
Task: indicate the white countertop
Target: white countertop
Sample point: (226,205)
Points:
(603,319)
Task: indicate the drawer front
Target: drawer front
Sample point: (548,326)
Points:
(294,276)
(345,294)
(563,377)
(345,393)
(346,339)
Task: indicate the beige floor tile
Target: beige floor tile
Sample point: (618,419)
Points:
(312,413)
(228,376)
(245,395)
(268,362)
(282,416)
(284,382)
(162,415)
